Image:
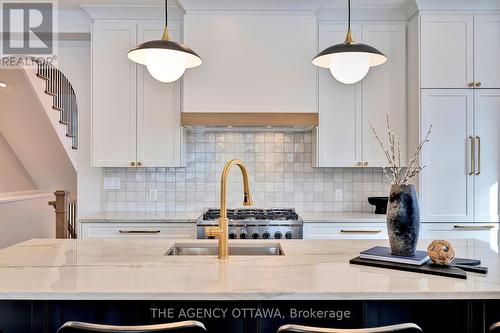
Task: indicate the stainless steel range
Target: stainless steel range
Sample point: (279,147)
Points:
(255,223)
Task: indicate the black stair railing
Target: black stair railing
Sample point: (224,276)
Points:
(63,95)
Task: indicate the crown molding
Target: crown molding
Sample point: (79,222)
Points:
(255,5)
(135,12)
(457,5)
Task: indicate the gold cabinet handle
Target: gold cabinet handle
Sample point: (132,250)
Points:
(139,163)
(473,227)
(139,231)
(132,163)
(360,231)
(472,156)
(478,84)
(471,84)
(478,139)
(365,164)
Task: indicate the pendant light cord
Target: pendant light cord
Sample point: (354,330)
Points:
(166,12)
(165,29)
(349,15)
(348,38)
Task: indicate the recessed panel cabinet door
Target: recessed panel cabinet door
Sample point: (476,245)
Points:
(384,92)
(447,51)
(487,50)
(487,135)
(339,132)
(113,94)
(158,108)
(447,179)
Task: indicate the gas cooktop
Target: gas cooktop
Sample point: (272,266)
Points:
(255,223)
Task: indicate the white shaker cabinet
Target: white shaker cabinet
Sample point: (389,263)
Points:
(159,133)
(460,51)
(384,92)
(447,180)
(113,94)
(344,137)
(462,159)
(338,135)
(487,50)
(487,151)
(135,119)
(447,51)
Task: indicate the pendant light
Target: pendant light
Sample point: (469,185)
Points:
(349,62)
(165,59)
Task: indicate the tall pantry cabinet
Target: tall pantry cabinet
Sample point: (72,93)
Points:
(455,62)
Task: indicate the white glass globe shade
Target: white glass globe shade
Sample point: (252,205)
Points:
(165,65)
(349,67)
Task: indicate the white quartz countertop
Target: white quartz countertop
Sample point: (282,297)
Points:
(308,217)
(140,217)
(346,217)
(139,270)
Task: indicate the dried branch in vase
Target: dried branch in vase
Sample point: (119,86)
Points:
(397,174)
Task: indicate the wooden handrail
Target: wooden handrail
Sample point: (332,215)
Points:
(65,210)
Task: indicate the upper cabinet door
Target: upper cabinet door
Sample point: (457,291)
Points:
(251,62)
(384,92)
(158,108)
(447,179)
(447,51)
(487,50)
(113,94)
(486,181)
(339,132)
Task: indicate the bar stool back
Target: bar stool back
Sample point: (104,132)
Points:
(495,328)
(401,328)
(190,326)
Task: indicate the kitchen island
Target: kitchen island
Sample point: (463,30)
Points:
(134,280)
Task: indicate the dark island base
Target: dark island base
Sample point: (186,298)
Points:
(253,316)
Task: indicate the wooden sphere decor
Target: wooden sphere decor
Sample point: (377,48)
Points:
(441,252)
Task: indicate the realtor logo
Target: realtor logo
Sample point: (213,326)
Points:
(27,28)
(28,33)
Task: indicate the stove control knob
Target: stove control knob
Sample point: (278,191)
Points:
(288,235)
(232,235)
(278,235)
(266,235)
(243,234)
(255,234)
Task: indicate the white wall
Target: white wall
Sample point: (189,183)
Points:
(13,176)
(74,62)
(25,219)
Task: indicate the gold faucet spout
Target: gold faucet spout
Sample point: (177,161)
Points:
(221,232)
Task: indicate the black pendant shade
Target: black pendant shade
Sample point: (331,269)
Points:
(323,58)
(165,59)
(349,62)
(136,55)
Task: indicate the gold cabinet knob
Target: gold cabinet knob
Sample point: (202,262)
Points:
(478,84)
(471,84)
(132,163)
(365,164)
(359,164)
(139,163)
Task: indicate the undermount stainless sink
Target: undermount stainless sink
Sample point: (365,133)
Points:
(193,249)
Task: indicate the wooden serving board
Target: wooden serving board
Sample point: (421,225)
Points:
(428,268)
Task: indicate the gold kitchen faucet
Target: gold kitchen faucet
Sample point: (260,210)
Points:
(221,231)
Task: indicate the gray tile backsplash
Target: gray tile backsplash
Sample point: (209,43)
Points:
(280,170)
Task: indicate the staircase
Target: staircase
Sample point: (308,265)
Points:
(58,86)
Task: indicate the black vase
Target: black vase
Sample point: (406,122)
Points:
(403,220)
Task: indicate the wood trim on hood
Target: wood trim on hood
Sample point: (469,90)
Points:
(249,119)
